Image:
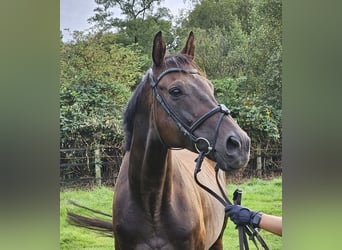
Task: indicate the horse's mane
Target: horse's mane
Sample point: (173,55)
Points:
(177,60)
(129,114)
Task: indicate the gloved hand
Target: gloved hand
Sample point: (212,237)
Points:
(243,216)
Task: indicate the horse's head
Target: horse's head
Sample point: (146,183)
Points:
(186,113)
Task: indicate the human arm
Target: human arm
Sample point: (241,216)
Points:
(272,224)
(244,216)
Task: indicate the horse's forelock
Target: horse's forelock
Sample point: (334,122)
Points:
(177,60)
(180,60)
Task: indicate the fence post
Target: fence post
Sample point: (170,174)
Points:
(259,163)
(97,166)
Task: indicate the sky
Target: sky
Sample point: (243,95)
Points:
(74,13)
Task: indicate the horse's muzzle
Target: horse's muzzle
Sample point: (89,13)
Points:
(237,152)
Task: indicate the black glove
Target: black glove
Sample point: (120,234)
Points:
(243,216)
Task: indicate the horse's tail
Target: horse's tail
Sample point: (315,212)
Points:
(100,225)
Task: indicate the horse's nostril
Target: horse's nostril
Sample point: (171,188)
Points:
(233,144)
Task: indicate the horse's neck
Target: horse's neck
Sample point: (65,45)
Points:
(149,174)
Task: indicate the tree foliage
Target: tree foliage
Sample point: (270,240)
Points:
(97,76)
(141,19)
(238,45)
(259,120)
(241,39)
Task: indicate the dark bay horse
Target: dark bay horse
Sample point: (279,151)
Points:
(157,204)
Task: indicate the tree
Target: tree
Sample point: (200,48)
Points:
(220,52)
(264,65)
(97,76)
(210,13)
(140,20)
(221,42)
(239,45)
(259,120)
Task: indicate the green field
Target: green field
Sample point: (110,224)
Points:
(261,195)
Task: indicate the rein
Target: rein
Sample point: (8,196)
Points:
(237,196)
(189,131)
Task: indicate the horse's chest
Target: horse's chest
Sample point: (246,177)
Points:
(168,232)
(155,242)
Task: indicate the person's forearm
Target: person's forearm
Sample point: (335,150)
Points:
(271,223)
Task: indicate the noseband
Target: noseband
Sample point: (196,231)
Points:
(189,130)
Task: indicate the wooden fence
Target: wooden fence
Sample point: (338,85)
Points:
(84,167)
(99,165)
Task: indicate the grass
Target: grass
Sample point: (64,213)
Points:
(262,195)
(72,237)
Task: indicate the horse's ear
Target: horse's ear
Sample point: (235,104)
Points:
(189,48)
(159,49)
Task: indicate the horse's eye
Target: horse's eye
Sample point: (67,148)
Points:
(175,92)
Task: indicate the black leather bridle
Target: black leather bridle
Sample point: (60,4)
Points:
(189,131)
